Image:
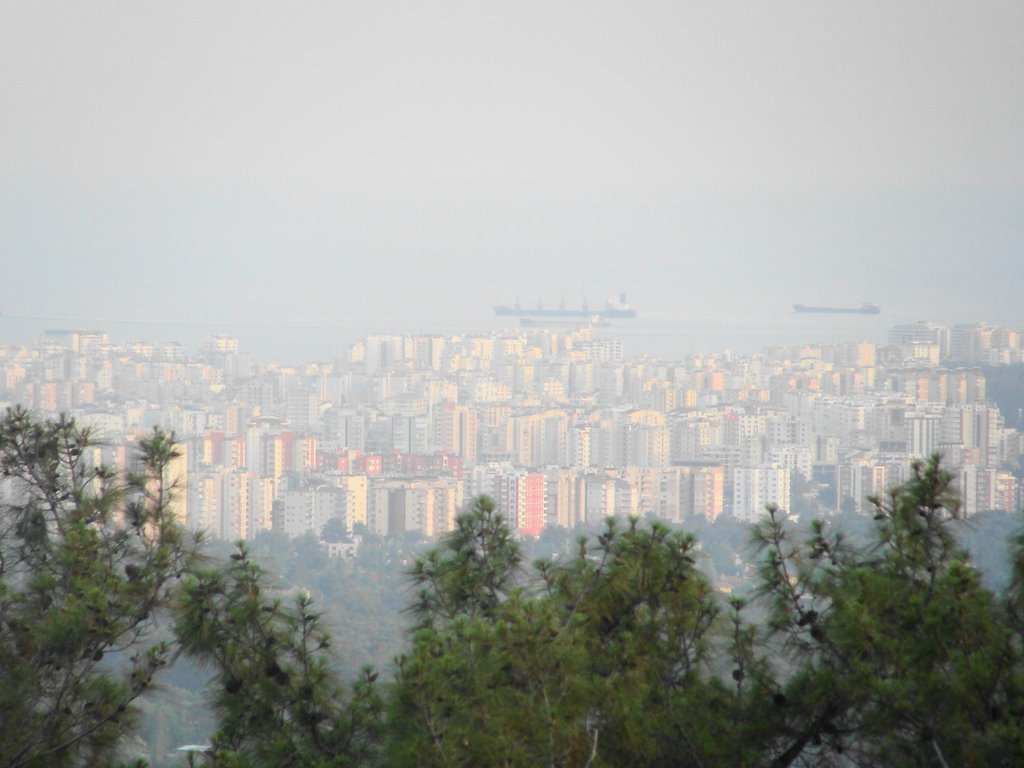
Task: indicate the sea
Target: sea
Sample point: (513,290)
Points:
(293,343)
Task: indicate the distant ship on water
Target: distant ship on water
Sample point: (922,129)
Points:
(867,308)
(616,309)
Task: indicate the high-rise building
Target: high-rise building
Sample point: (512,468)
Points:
(521,498)
(455,430)
(754,488)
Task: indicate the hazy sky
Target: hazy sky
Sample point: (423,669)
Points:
(397,162)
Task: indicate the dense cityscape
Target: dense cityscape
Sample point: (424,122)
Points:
(329,434)
(560,427)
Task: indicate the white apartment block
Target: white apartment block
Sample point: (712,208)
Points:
(754,488)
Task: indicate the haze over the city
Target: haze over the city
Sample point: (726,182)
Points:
(295,470)
(403,165)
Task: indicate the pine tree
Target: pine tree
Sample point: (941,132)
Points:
(603,661)
(898,654)
(276,694)
(87,560)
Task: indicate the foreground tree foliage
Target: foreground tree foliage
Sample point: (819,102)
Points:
(87,558)
(885,653)
(605,660)
(899,655)
(277,698)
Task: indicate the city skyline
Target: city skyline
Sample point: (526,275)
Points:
(561,428)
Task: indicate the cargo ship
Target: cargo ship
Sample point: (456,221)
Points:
(614,309)
(867,308)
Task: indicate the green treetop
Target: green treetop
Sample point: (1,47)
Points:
(87,559)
